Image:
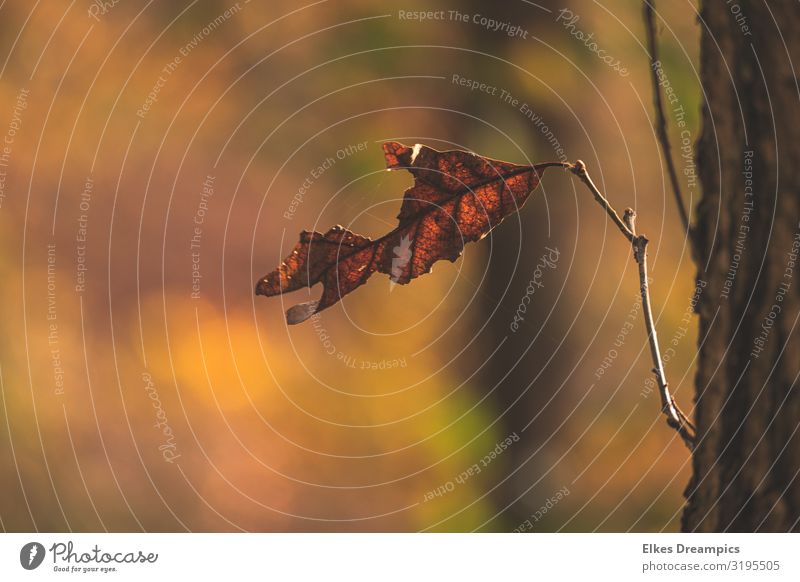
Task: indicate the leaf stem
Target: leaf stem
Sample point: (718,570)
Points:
(627,225)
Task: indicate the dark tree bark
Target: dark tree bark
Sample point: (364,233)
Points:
(747,394)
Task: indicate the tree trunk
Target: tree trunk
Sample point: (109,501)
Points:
(747,401)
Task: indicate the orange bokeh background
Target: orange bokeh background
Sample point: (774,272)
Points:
(270,427)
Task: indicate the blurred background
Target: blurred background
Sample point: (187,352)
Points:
(159,157)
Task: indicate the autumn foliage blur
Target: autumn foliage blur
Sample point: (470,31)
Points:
(169,154)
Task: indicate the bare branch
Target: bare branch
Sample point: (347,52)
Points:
(627,225)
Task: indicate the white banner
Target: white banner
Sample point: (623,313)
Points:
(401,557)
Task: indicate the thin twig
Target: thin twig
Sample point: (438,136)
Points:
(627,225)
(579,169)
(661,120)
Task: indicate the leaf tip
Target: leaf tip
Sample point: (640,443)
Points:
(299,313)
(261,287)
(398,156)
